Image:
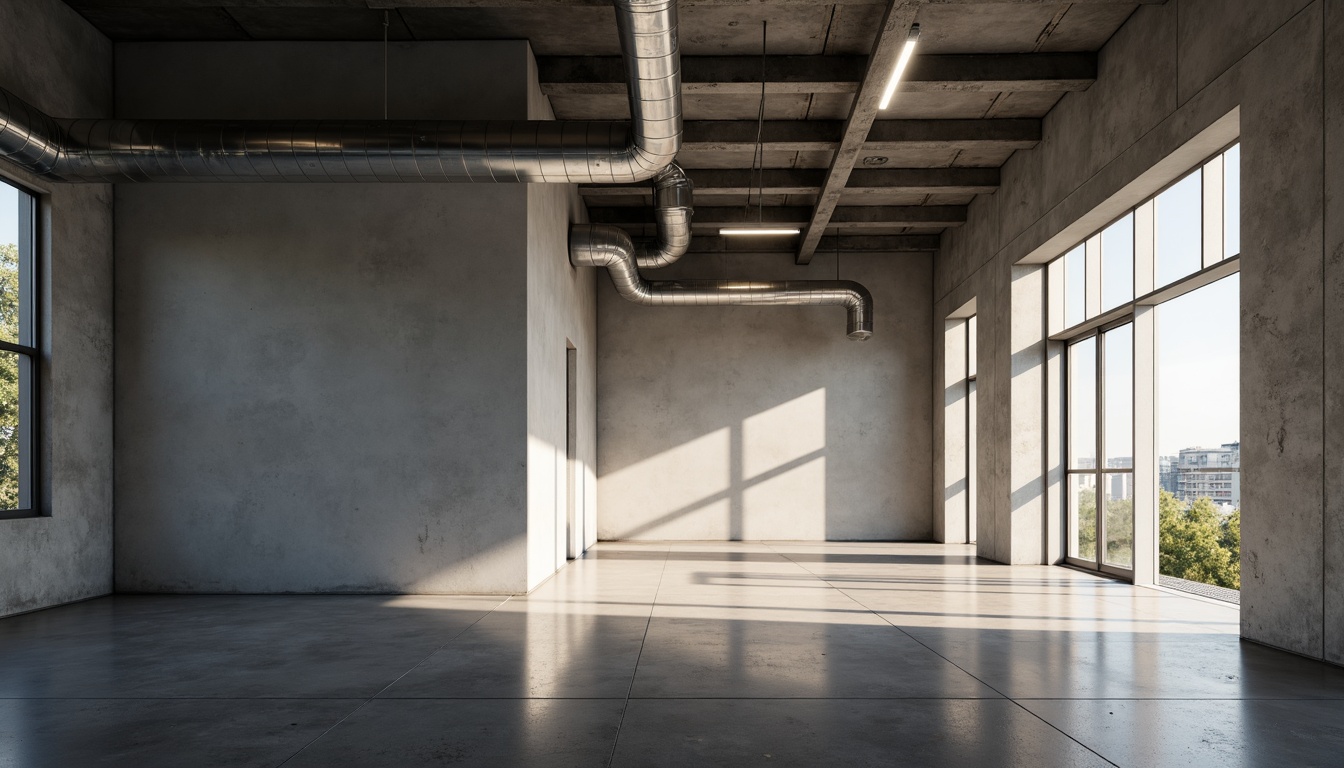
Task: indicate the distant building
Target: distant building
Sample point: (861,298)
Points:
(1213,473)
(1166,474)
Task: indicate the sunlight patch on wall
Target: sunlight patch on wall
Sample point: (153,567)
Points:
(783,434)
(654,506)
(787,505)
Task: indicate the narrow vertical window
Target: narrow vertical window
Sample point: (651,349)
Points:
(1232,201)
(17,351)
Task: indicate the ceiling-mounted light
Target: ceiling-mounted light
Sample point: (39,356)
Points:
(904,59)
(761,231)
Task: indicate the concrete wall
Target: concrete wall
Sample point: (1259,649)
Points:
(1168,75)
(767,422)
(561,314)
(322,387)
(65,68)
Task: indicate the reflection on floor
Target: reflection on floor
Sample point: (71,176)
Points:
(689,654)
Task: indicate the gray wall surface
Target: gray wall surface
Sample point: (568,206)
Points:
(1171,72)
(767,422)
(321,387)
(561,313)
(66,555)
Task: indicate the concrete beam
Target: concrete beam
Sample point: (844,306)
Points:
(1055,72)
(843,243)
(826,135)
(390,4)
(807,181)
(850,217)
(891,36)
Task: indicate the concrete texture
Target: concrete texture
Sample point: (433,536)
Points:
(1333,361)
(749,422)
(1282,313)
(1169,74)
(67,554)
(561,315)
(322,387)
(695,653)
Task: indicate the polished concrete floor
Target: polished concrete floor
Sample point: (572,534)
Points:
(688,654)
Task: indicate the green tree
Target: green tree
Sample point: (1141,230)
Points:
(1119,531)
(1194,542)
(1087,523)
(1231,539)
(9,378)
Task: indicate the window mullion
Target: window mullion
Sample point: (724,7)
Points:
(1101,441)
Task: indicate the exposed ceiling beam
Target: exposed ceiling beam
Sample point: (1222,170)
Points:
(1053,72)
(381,4)
(844,243)
(799,181)
(850,217)
(891,37)
(822,135)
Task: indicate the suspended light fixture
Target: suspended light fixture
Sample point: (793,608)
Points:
(899,70)
(760,231)
(758,167)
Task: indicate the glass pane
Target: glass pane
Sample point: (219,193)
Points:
(1198,435)
(13,209)
(1179,219)
(1082,426)
(1119,519)
(1232,201)
(1075,287)
(972,331)
(14,375)
(1118,407)
(1083,517)
(1117,263)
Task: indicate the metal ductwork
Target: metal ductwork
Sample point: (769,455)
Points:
(597,245)
(672,206)
(564,152)
(560,152)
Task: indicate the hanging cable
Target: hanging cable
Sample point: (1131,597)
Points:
(758,156)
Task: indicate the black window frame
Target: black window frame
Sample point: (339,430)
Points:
(29,355)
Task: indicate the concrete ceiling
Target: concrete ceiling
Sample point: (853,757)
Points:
(986,72)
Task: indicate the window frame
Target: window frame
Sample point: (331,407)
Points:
(1099,471)
(30,248)
(1215,264)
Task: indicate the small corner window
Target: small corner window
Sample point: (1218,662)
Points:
(18,352)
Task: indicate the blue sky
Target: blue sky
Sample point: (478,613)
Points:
(1198,364)
(9,214)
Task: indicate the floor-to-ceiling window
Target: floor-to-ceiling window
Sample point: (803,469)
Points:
(972,350)
(1145,311)
(961,348)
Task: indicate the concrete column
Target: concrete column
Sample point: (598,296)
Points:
(1027,425)
(1333,457)
(1281,339)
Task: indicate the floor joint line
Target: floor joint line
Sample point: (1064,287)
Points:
(901,629)
(626,706)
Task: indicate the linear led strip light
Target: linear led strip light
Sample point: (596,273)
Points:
(896,73)
(760,231)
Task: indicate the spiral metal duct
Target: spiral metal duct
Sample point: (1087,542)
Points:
(596,245)
(565,152)
(672,207)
